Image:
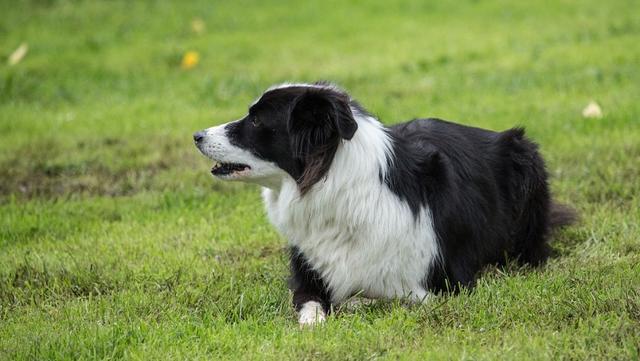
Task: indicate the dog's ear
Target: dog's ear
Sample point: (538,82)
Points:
(321,108)
(318,120)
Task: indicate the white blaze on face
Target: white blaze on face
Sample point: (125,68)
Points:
(217,147)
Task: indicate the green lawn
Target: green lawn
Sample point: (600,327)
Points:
(115,242)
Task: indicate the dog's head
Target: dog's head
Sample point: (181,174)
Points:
(292,130)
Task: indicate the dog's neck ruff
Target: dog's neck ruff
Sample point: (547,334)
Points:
(347,223)
(364,157)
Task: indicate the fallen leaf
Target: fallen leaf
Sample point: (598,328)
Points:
(197,26)
(18,54)
(190,60)
(592,110)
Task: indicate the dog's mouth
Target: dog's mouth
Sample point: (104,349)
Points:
(222,169)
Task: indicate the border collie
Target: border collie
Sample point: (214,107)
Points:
(387,212)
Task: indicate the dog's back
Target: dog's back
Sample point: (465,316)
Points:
(488,192)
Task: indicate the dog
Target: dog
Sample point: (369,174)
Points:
(404,211)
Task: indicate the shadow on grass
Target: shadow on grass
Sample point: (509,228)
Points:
(33,285)
(105,167)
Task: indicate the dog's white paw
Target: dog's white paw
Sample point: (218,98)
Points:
(311,314)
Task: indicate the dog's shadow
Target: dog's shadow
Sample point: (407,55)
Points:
(564,241)
(367,307)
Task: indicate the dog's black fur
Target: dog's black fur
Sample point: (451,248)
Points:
(487,191)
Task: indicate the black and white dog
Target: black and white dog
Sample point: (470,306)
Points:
(401,211)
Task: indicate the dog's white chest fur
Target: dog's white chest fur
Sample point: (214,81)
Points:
(356,233)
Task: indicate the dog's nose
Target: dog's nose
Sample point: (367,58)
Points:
(197,136)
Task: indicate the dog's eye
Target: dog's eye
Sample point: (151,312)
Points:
(255,121)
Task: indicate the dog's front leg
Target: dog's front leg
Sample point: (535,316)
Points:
(311,298)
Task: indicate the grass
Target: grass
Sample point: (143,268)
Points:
(116,244)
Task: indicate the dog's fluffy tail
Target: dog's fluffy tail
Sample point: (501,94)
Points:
(562,215)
